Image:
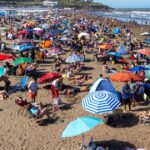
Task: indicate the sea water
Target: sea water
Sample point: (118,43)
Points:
(141,16)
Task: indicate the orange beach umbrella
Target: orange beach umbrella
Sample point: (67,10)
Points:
(106,46)
(144,52)
(124,76)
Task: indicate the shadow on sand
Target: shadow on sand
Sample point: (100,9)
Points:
(123,120)
(114,144)
(45,122)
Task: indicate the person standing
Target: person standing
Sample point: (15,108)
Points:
(126,95)
(133,88)
(33,89)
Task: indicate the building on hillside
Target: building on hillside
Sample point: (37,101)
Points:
(50,3)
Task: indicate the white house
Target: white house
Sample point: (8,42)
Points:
(50,3)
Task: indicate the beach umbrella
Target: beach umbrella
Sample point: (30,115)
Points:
(145,52)
(55,51)
(4,28)
(22,60)
(100,102)
(148,41)
(55,32)
(5,56)
(29,30)
(22,47)
(116,31)
(83,34)
(106,46)
(74,58)
(80,126)
(45,26)
(2,69)
(138,68)
(38,29)
(145,34)
(147,72)
(64,39)
(66,31)
(23,32)
(115,54)
(124,76)
(122,60)
(49,76)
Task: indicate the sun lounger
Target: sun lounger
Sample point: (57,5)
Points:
(23,83)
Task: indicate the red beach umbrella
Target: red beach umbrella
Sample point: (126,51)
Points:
(5,56)
(49,76)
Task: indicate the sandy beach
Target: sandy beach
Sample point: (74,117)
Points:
(18,131)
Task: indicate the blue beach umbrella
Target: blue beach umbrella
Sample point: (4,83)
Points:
(116,31)
(138,68)
(100,102)
(22,47)
(74,58)
(80,126)
(114,54)
(1,71)
(147,72)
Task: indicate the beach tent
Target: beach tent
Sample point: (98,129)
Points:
(122,50)
(103,84)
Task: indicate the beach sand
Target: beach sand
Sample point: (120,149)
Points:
(19,132)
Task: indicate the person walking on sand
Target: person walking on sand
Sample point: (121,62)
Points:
(33,89)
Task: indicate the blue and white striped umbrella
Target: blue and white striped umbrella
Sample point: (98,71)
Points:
(100,102)
(74,58)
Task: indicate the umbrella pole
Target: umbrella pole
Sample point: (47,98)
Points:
(83,142)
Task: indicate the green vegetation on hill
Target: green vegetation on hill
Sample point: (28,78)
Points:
(62,3)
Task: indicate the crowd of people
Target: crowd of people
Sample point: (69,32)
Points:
(96,36)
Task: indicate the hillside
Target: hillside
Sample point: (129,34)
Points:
(62,3)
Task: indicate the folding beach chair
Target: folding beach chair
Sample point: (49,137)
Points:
(145,121)
(23,83)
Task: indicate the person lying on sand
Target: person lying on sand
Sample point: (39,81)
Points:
(75,90)
(144,114)
(83,79)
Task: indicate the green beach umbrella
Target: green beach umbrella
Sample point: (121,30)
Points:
(22,60)
(4,28)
